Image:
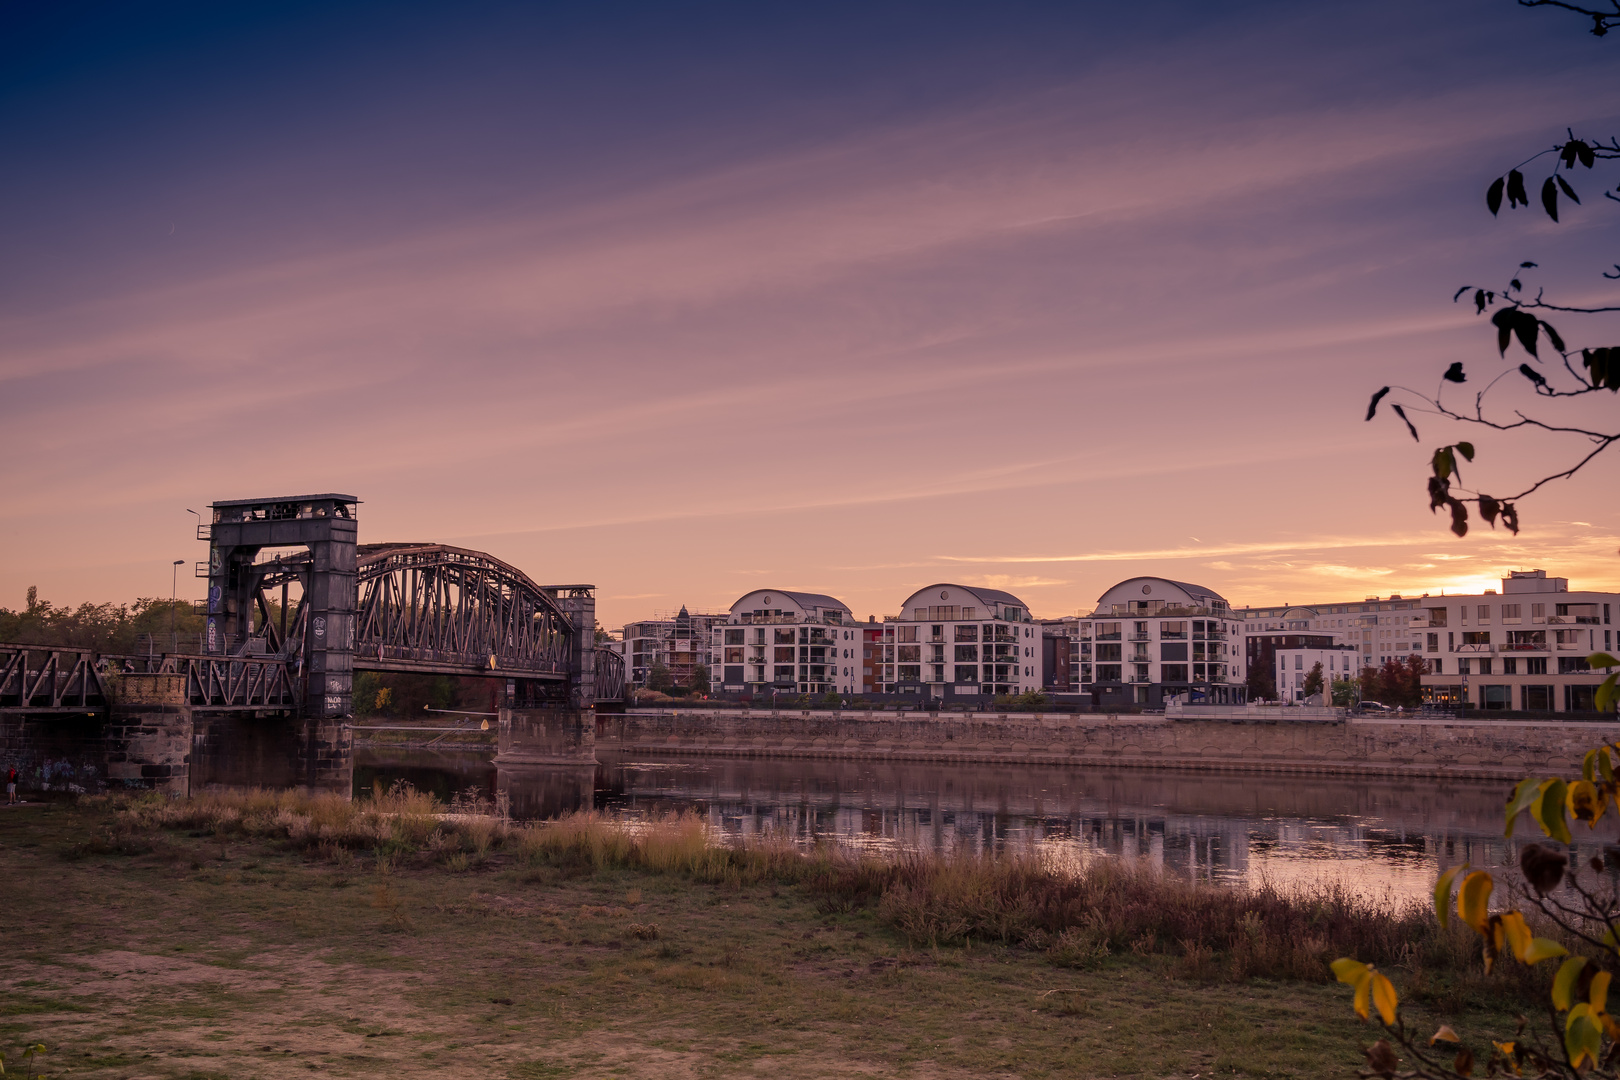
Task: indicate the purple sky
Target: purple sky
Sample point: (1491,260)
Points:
(686,300)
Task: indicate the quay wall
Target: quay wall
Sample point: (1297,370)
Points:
(1485,749)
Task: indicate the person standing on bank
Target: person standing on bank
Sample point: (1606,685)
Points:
(11,785)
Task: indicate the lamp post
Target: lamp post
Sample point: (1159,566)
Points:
(174,589)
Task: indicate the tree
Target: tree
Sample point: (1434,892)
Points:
(1313,679)
(1579,1038)
(1603,19)
(700,679)
(1260,683)
(1343,693)
(658,678)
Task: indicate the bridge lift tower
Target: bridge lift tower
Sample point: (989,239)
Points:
(323,524)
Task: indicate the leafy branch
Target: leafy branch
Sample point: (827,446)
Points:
(1514,314)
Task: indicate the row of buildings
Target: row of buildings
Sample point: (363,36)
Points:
(1147,639)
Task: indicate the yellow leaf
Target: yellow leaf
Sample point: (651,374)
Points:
(1584,802)
(1548,810)
(1472,898)
(1583,1038)
(1543,949)
(1445,1034)
(1349,971)
(1517,932)
(1563,987)
(1363,991)
(1524,793)
(1509,1059)
(1442,893)
(1383,995)
(1599,995)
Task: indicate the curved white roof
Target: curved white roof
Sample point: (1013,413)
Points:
(775,599)
(946,593)
(1158,588)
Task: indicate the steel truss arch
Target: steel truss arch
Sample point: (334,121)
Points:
(437,608)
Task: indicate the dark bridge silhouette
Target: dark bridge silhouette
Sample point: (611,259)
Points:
(398,607)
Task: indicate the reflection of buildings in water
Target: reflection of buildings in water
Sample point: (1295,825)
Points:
(1369,834)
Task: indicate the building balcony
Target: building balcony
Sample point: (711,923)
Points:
(1141,637)
(1141,679)
(1110,637)
(1572,646)
(1518,648)
(1475,649)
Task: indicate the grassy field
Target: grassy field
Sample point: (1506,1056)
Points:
(139,945)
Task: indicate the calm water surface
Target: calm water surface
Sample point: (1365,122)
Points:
(1379,837)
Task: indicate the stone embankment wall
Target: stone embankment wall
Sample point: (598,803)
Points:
(1483,750)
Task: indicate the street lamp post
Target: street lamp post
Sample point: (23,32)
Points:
(174,590)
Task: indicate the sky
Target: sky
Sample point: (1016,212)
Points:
(689,299)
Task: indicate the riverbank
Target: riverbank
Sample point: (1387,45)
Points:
(1409,748)
(279,939)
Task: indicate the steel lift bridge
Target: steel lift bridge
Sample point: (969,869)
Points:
(403,607)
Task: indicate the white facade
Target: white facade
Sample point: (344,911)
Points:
(784,641)
(1293,665)
(1150,637)
(974,641)
(1523,648)
(1380,630)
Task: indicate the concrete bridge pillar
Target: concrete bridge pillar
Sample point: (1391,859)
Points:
(562,736)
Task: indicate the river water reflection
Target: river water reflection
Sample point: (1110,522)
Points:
(1379,837)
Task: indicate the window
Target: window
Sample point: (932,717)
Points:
(734,656)
(1496,697)
(1173,630)
(784,673)
(1110,673)
(1484,613)
(1173,673)
(1538,611)
(1510,612)
(1109,651)
(1535,665)
(967,633)
(1476,637)
(783,653)
(909,654)
(1463,668)
(1434,642)
(1485,665)
(1538,698)
(911,673)
(907,633)
(968,673)
(1510,665)
(1173,650)
(785,637)
(1568,665)
(1299,661)
(734,637)
(970,653)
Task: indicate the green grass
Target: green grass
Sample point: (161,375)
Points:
(281,955)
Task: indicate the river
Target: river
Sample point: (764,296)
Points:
(1381,838)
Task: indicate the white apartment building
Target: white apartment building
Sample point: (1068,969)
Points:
(1293,665)
(1151,637)
(1524,648)
(1379,629)
(957,640)
(787,642)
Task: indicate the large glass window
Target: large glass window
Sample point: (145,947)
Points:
(785,637)
(734,637)
(966,653)
(967,633)
(968,673)
(908,654)
(1110,672)
(1173,630)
